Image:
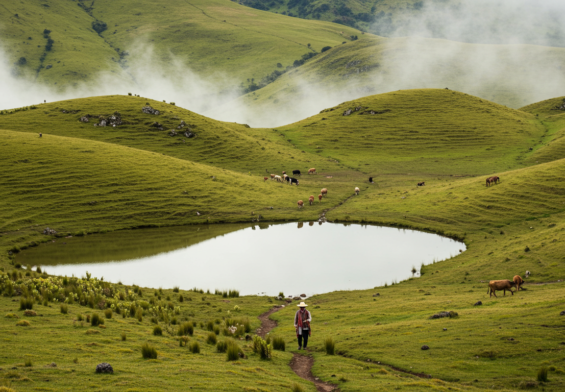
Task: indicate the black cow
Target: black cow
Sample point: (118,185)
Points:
(287,178)
(293,181)
(371,180)
(296,172)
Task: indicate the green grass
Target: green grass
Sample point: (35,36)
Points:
(209,36)
(500,345)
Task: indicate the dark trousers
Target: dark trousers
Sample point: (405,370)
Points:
(303,336)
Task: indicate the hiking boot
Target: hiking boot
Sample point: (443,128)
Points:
(300,348)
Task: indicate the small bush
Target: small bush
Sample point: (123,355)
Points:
(64,309)
(108,313)
(329,345)
(186,329)
(28,363)
(222,346)
(87,318)
(26,303)
(23,323)
(261,347)
(96,320)
(542,374)
(176,289)
(157,331)
(279,344)
(296,388)
(80,317)
(181,298)
(210,325)
(212,338)
(194,348)
(139,315)
(148,352)
(232,351)
(75,360)
(124,337)
(552,368)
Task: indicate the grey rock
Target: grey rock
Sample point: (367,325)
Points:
(104,368)
(189,134)
(424,347)
(84,119)
(172,132)
(562,313)
(49,231)
(347,112)
(150,110)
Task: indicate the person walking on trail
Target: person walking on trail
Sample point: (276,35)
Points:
(302,321)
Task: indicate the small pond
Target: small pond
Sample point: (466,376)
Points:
(294,258)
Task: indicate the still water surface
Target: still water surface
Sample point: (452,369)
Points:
(294,258)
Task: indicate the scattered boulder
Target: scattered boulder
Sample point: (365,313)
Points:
(84,119)
(49,231)
(376,295)
(172,132)
(424,347)
(479,303)
(150,110)
(288,300)
(347,112)
(445,329)
(104,368)
(450,314)
(562,313)
(189,134)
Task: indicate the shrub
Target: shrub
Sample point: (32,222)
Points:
(99,26)
(23,323)
(176,289)
(157,331)
(211,339)
(80,317)
(329,345)
(124,337)
(139,315)
(30,313)
(194,348)
(26,303)
(222,346)
(217,330)
(279,344)
(210,325)
(232,350)
(28,363)
(261,347)
(108,313)
(325,48)
(64,309)
(542,374)
(181,298)
(38,270)
(297,387)
(186,329)
(96,320)
(148,352)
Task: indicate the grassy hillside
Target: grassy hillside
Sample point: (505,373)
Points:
(419,132)
(208,36)
(511,75)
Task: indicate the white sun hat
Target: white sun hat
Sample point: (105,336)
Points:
(302,305)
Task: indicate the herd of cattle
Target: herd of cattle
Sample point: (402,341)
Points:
(503,285)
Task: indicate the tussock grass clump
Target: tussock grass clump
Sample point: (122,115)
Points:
(211,338)
(64,309)
(148,352)
(186,329)
(296,388)
(176,289)
(96,320)
(542,374)
(222,346)
(183,341)
(210,325)
(28,363)
(194,348)
(123,336)
(26,303)
(108,313)
(279,343)
(157,331)
(329,345)
(232,351)
(139,315)
(23,323)
(261,347)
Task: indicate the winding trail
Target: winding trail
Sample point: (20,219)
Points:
(300,364)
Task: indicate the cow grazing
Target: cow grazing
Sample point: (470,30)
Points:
(265,178)
(357,190)
(300,204)
(421,183)
(311,199)
(371,180)
(495,285)
(293,181)
(296,173)
(40,135)
(518,281)
(527,274)
(285,177)
(272,176)
(278,178)
(320,198)
(495,179)
(312,171)
(324,192)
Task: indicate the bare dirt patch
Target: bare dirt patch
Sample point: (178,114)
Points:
(302,366)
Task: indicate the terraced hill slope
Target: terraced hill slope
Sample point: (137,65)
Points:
(512,75)
(419,132)
(63,43)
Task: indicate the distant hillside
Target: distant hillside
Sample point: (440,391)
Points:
(62,43)
(429,131)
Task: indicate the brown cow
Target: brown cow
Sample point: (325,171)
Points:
(312,171)
(320,198)
(265,178)
(495,285)
(518,281)
(324,192)
(300,204)
(272,176)
(311,199)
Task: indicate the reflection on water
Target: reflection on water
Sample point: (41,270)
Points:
(314,259)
